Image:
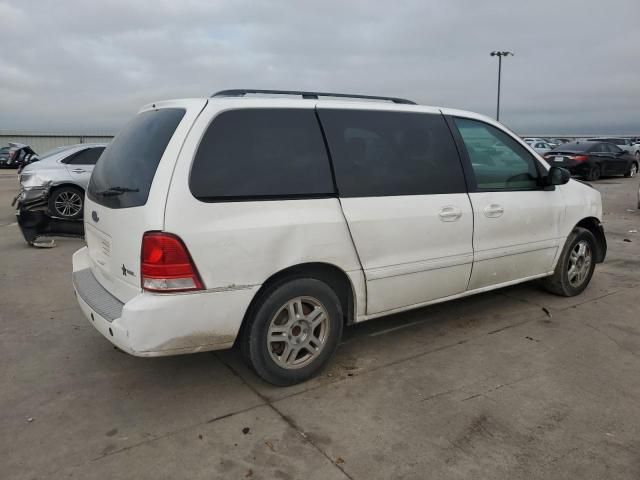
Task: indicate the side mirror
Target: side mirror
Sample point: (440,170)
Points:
(558,176)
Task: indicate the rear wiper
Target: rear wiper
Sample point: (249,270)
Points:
(113,191)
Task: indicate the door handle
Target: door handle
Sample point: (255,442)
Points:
(493,211)
(449,214)
(78,170)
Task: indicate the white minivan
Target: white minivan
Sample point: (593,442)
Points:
(270,220)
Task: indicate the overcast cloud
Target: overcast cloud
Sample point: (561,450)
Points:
(88,66)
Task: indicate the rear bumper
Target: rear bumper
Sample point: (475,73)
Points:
(160,324)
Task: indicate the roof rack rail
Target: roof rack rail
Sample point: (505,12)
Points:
(311,95)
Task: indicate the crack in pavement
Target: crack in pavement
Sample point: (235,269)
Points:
(288,420)
(153,439)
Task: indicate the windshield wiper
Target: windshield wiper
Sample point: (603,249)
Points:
(113,191)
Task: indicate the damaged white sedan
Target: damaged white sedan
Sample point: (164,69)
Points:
(51,198)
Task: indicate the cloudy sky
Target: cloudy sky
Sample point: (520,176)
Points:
(87,66)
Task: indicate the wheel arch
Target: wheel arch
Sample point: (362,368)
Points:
(58,186)
(332,275)
(595,227)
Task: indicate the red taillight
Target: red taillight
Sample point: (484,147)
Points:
(166,265)
(580,158)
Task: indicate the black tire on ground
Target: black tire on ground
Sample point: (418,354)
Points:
(278,308)
(66,202)
(594,173)
(633,170)
(560,282)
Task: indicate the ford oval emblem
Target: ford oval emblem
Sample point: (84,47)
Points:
(95,217)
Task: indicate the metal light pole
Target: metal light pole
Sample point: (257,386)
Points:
(499,55)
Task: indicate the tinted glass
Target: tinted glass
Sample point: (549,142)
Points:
(392,153)
(599,148)
(262,153)
(574,147)
(131,159)
(499,162)
(611,148)
(88,156)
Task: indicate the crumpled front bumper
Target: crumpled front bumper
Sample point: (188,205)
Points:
(35,219)
(32,198)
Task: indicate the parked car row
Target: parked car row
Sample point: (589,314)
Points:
(548,142)
(627,144)
(591,158)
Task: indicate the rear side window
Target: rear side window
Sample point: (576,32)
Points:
(88,156)
(378,153)
(261,153)
(611,148)
(123,175)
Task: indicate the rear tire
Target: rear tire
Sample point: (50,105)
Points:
(293,331)
(67,202)
(594,173)
(575,266)
(633,170)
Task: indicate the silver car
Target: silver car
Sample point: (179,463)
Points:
(57,182)
(541,147)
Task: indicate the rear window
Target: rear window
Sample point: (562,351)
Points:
(260,154)
(123,175)
(574,147)
(88,156)
(392,153)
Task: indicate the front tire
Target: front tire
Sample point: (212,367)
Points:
(67,203)
(575,266)
(292,331)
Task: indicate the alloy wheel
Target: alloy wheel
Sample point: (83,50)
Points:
(68,204)
(579,263)
(298,332)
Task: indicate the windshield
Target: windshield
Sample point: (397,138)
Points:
(124,173)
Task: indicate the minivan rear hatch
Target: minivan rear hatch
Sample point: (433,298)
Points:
(128,189)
